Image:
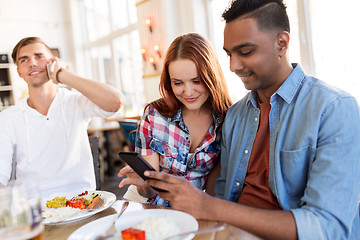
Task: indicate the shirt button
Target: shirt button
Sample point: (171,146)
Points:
(256,119)
(47,118)
(237,184)
(246,151)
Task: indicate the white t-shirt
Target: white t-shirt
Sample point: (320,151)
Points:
(52,150)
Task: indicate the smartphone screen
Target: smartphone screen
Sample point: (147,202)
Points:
(138,164)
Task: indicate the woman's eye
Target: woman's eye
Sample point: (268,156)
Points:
(197,82)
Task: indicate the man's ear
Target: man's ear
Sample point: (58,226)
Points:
(283,42)
(17,69)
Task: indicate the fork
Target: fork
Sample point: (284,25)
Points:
(110,233)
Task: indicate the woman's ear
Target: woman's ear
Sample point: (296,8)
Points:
(283,43)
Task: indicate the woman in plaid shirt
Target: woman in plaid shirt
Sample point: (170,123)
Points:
(180,132)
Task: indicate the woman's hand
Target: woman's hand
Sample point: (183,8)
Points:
(133,178)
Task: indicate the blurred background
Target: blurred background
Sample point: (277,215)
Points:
(123,42)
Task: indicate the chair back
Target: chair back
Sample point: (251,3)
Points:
(94,145)
(128,127)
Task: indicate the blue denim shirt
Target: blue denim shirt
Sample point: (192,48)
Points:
(314,165)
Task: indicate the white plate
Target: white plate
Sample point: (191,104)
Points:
(108,197)
(90,231)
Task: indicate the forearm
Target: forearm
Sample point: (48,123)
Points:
(267,224)
(210,182)
(106,97)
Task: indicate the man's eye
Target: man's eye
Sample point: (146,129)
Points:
(23,60)
(246,53)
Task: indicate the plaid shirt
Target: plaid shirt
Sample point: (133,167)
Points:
(170,138)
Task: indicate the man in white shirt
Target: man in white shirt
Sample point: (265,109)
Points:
(46,133)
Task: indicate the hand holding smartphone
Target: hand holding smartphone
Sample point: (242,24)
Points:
(138,164)
(48,70)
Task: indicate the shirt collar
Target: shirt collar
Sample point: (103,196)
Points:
(24,106)
(287,90)
(217,119)
(291,85)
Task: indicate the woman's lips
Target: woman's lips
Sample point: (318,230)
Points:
(191,99)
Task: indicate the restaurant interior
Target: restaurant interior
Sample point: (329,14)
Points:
(123,43)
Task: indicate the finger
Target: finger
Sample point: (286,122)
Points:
(52,67)
(163,177)
(130,181)
(124,171)
(159,184)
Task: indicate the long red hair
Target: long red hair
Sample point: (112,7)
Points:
(194,47)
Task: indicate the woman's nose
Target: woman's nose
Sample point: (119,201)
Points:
(189,89)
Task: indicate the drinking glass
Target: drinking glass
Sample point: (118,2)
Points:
(20,212)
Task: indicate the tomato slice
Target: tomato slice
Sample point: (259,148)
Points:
(132,233)
(76,203)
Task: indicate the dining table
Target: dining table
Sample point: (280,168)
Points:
(63,231)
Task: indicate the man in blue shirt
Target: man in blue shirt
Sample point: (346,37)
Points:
(312,156)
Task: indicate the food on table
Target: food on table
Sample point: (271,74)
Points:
(60,208)
(132,233)
(158,227)
(76,203)
(59,214)
(57,202)
(81,201)
(92,203)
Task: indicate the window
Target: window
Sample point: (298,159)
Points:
(111,48)
(325,43)
(336,38)
(234,84)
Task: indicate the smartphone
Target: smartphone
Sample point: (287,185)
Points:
(48,70)
(138,164)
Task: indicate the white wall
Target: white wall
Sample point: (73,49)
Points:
(47,19)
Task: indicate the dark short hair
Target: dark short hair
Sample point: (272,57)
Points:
(23,42)
(269,14)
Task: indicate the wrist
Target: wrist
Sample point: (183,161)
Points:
(57,74)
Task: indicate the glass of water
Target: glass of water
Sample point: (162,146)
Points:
(20,212)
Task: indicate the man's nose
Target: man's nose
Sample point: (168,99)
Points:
(33,62)
(236,64)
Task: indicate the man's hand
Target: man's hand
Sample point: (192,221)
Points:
(182,194)
(55,65)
